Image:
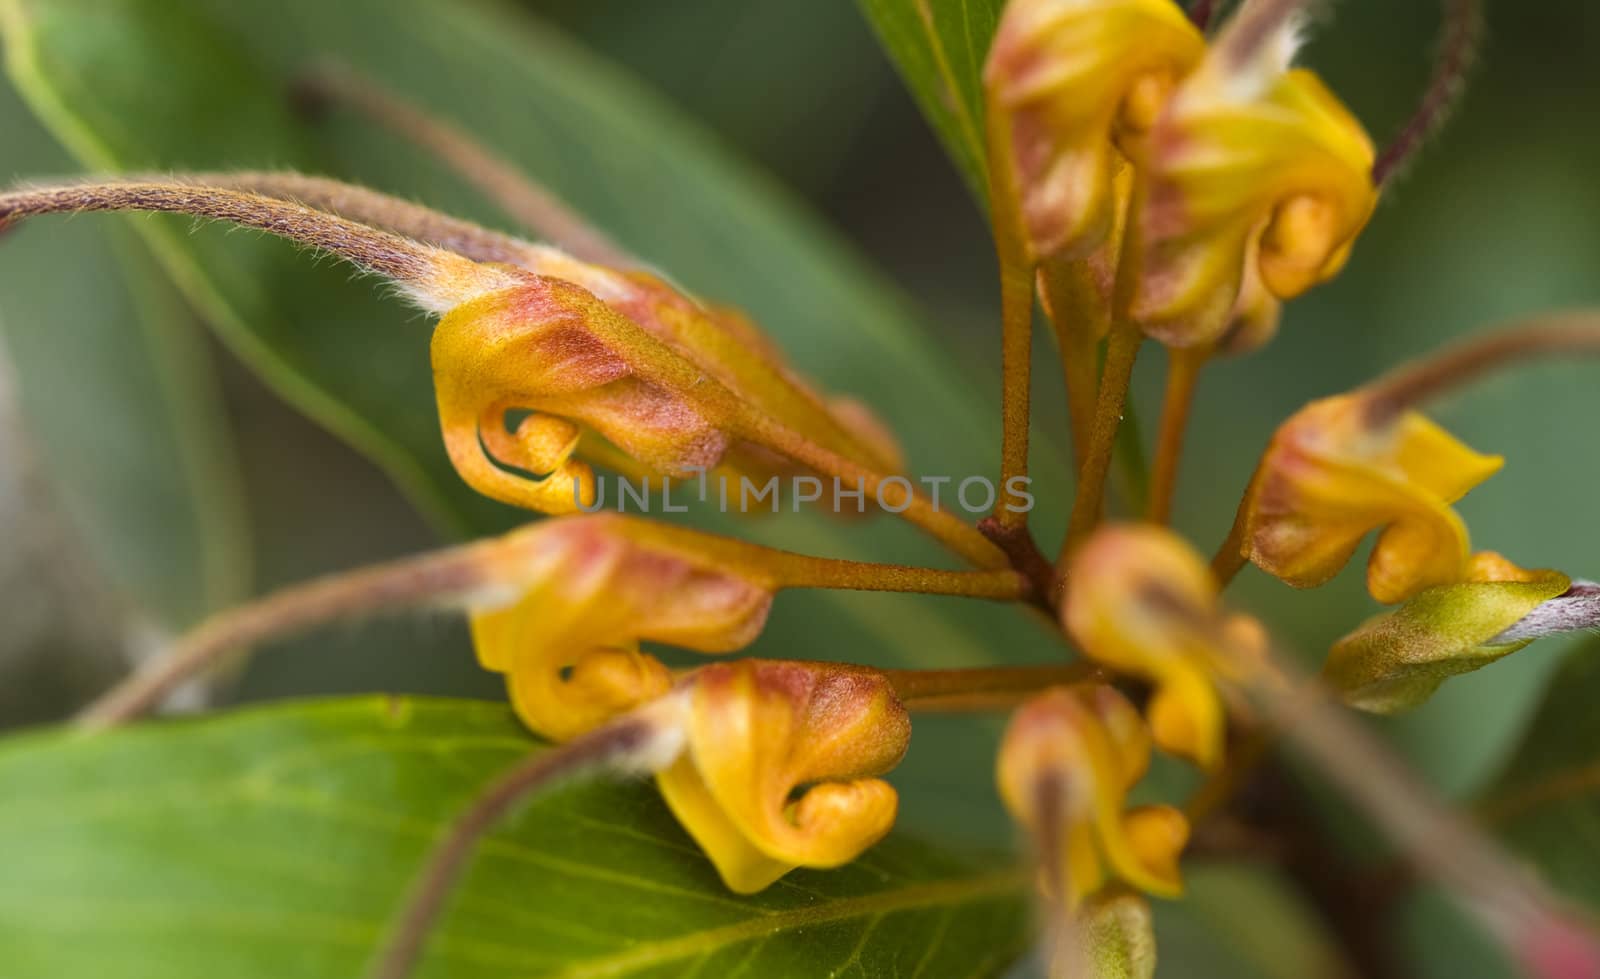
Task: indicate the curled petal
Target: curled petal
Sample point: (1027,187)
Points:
(1330,476)
(758,731)
(730,347)
(1067,81)
(1140,600)
(1249,161)
(576,596)
(1069,758)
(1397,660)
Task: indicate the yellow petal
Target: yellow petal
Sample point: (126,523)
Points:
(1069,758)
(1140,600)
(1329,477)
(1067,78)
(580,593)
(760,730)
(1251,161)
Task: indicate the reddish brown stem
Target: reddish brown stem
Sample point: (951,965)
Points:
(1463,22)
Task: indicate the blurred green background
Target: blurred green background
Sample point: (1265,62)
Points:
(1499,217)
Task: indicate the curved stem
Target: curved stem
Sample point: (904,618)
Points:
(1183,371)
(377,209)
(640,741)
(394,586)
(493,176)
(1552,334)
(436,278)
(1463,22)
(1230,558)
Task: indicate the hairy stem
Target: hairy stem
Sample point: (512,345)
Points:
(1183,371)
(1463,23)
(437,278)
(394,586)
(377,209)
(641,741)
(1017,265)
(491,174)
(1550,335)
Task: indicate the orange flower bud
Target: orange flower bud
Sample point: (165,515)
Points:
(1397,660)
(758,731)
(1069,758)
(1140,600)
(1247,151)
(1067,80)
(1332,474)
(573,599)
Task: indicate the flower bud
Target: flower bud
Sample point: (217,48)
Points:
(758,732)
(1248,152)
(1397,660)
(573,599)
(1333,473)
(1141,601)
(1112,938)
(1067,80)
(1069,758)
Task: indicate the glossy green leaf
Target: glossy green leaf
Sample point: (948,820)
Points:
(277,842)
(117,392)
(939,47)
(1546,802)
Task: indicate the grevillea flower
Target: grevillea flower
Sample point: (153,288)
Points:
(1333,473)
(1140,600)
(1250,159)
(1397,660)
(574,597)
(760,731)
(1069,80)
(551,348)
(1069,758)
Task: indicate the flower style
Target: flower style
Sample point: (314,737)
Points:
(759,730)
(1333,473)
(1068,79)
(1069,758)
(572,598)
(1397,660)
(1140,600)
(1254,161)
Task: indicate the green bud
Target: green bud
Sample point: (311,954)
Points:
(1397,660)
(1112,938)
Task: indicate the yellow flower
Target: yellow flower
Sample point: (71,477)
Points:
(758,732)
(674,386)
(1397,660)
(1067,80)
(1139,600)
(1248,152)
(575,596)
(1069,758)
(1331,475)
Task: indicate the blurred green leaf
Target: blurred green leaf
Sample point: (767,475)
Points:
(1546,803)
(118,393)
(279,841)
(939,47)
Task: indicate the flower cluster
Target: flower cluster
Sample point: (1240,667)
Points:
(1149,182)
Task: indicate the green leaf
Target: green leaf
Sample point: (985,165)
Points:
(1546,803)
(939,47)
(117,391)
(278,842)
